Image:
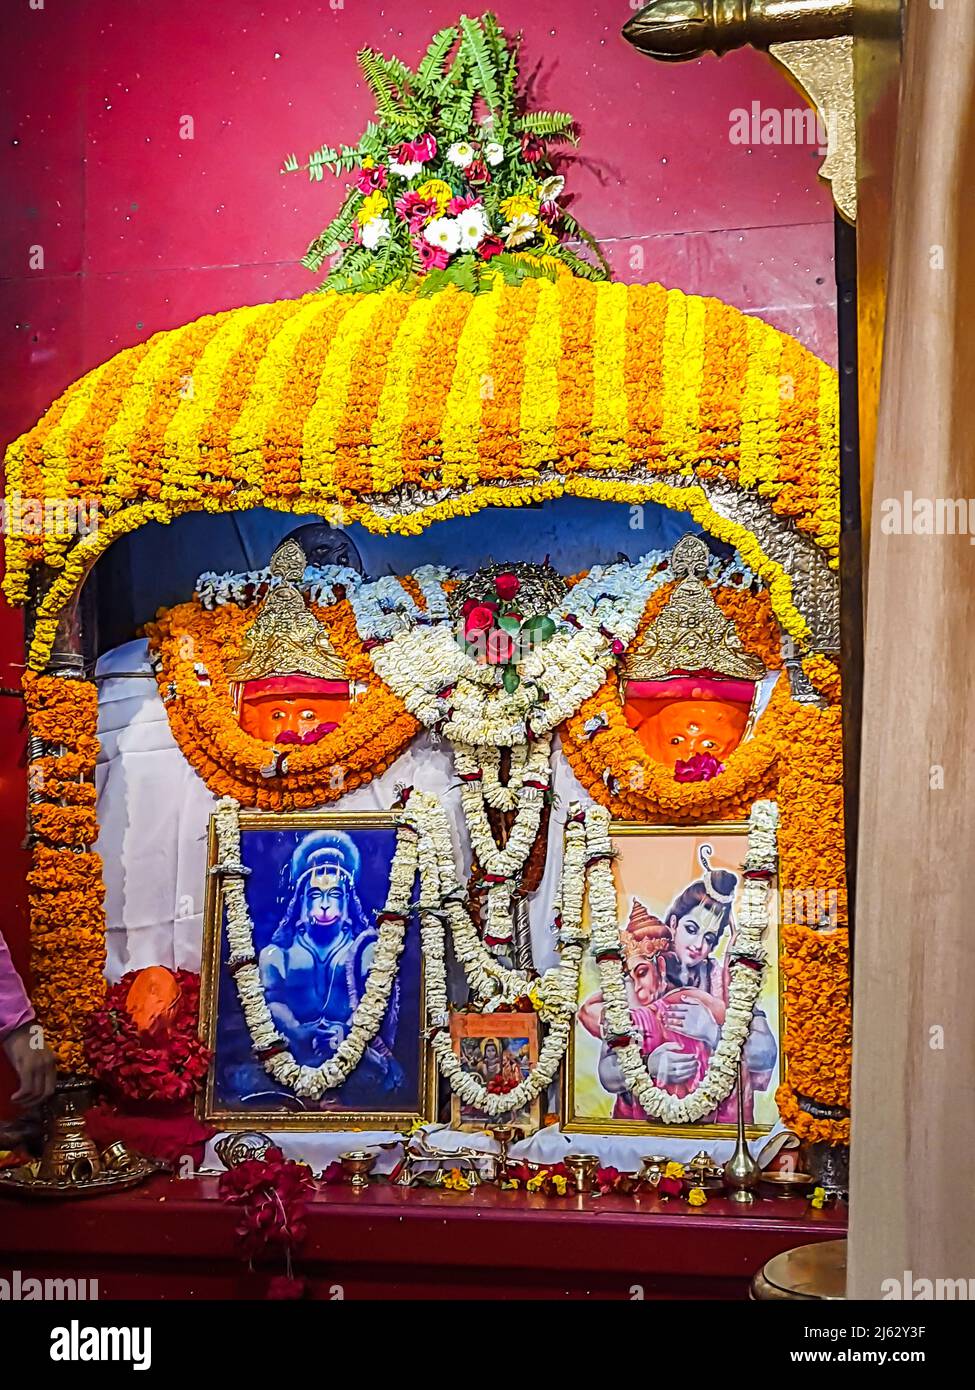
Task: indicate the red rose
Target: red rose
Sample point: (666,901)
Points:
(491,246)
(480,618)
(478,174)
(532,148)
(507,585)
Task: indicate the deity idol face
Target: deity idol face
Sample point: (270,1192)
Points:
(268,716)
(695,934)
(325,903)
(675,730)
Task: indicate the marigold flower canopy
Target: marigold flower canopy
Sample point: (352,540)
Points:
(396,410)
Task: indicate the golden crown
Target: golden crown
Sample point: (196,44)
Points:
(691,633)
(286,639)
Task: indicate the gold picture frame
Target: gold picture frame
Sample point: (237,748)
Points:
(481,1030)
(212,1108)
(577,1099)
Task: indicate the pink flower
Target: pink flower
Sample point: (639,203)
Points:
(701,768)
(458,205)
(368,180)
(431,257)
(490,246)
(415,210)
(500,647)
(550,211)
(425,148)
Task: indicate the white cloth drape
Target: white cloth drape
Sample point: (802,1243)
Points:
(153,813)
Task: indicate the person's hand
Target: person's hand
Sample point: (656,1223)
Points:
(670,1065)
(692,1019)
(33,1062)
(325,1038)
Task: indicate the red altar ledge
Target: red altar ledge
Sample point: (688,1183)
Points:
(174,1239)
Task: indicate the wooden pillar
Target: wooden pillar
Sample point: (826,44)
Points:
(914,997)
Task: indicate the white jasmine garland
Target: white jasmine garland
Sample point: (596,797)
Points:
(367,1017)
(241,588)
(525,794)
(557,991)
(745,979)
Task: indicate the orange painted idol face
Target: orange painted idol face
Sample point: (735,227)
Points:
(289,715)
(675,730)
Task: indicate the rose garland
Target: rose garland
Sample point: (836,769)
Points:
(65,890)
(446,689)
(269,1046)
(273,1194)
(192,650)
(170,1066)
(747,963)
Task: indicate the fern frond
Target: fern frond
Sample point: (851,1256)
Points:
(586,237)
(431,69)
(375,70)
(585,270)
(548,125)
(479,60)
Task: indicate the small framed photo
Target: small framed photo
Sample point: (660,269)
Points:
(676,923)
(316,882)
(500,1049)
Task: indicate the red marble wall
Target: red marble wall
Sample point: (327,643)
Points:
(141,230)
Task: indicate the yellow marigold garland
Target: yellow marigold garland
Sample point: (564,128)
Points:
(65,890)
(453,394)
(374,732)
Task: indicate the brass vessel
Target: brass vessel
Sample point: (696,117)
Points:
(741,1172)
(70,1155)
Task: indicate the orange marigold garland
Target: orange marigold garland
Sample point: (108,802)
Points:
(795,757)
(65,882)
(615,769)
(815,940)
(195,647)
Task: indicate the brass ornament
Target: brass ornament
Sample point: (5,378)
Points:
(691,633)
(286,639)
(678,30)
(71,1164)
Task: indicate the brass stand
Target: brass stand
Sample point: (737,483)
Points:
(71,1164)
